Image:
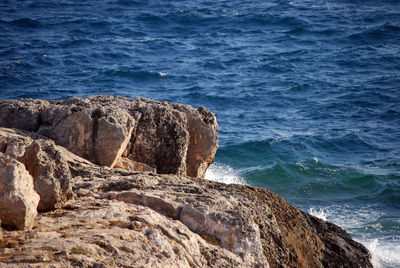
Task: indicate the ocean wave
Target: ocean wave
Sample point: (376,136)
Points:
(384,253)
(134,74)
(293,147)
(365,224)
(223,173)
(377,33)
(317,213)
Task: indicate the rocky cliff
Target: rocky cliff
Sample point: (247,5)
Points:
(118,183)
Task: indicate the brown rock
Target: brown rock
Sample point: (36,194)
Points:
(1,234)
(203,143)
(51,173)
(124,218)
(161,139)
(171,138)
(44,161)
(22,114)
(131,165)
(96,133)
(18,200)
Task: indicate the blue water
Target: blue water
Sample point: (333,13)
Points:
(306,93)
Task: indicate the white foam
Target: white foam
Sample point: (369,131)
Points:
(223,173)
(385,251)
(162,74)
(319,214)
(384,254)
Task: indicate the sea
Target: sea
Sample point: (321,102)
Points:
(306,92)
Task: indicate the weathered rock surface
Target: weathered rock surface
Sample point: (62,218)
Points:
(114,217)
(170,138)
(44,161)
(1,234)
(18,199)
(22,114)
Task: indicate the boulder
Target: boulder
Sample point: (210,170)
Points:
(203,143)
(170,138)
(18,199)
(97,133)
(51,173)
(161,139)
(44,161)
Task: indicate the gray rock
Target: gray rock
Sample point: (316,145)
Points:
(22,114)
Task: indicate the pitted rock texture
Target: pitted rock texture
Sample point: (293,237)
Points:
(18,199)
(120,218)
(170,138)
(44,161)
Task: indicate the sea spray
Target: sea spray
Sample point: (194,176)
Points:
(318,213)
(384,252)
(223,173)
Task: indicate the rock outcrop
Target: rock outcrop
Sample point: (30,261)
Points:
(106,130)
(117,217)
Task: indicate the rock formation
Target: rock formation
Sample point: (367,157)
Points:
(170,138)
(94,215)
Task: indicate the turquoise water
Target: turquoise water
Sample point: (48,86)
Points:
(306,93)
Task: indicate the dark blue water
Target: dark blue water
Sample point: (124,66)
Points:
(307,93)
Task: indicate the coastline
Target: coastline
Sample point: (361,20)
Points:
(102,214)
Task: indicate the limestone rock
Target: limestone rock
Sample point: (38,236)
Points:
(131,165)
(171,138)
(203,143)
(44,161)
(18,200)
(122,218)
(51,173)
(252,223)
(99,134)
(161,138)
(99,216)
(22,114)
(137,219)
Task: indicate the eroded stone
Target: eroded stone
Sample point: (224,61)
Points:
(18,199)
